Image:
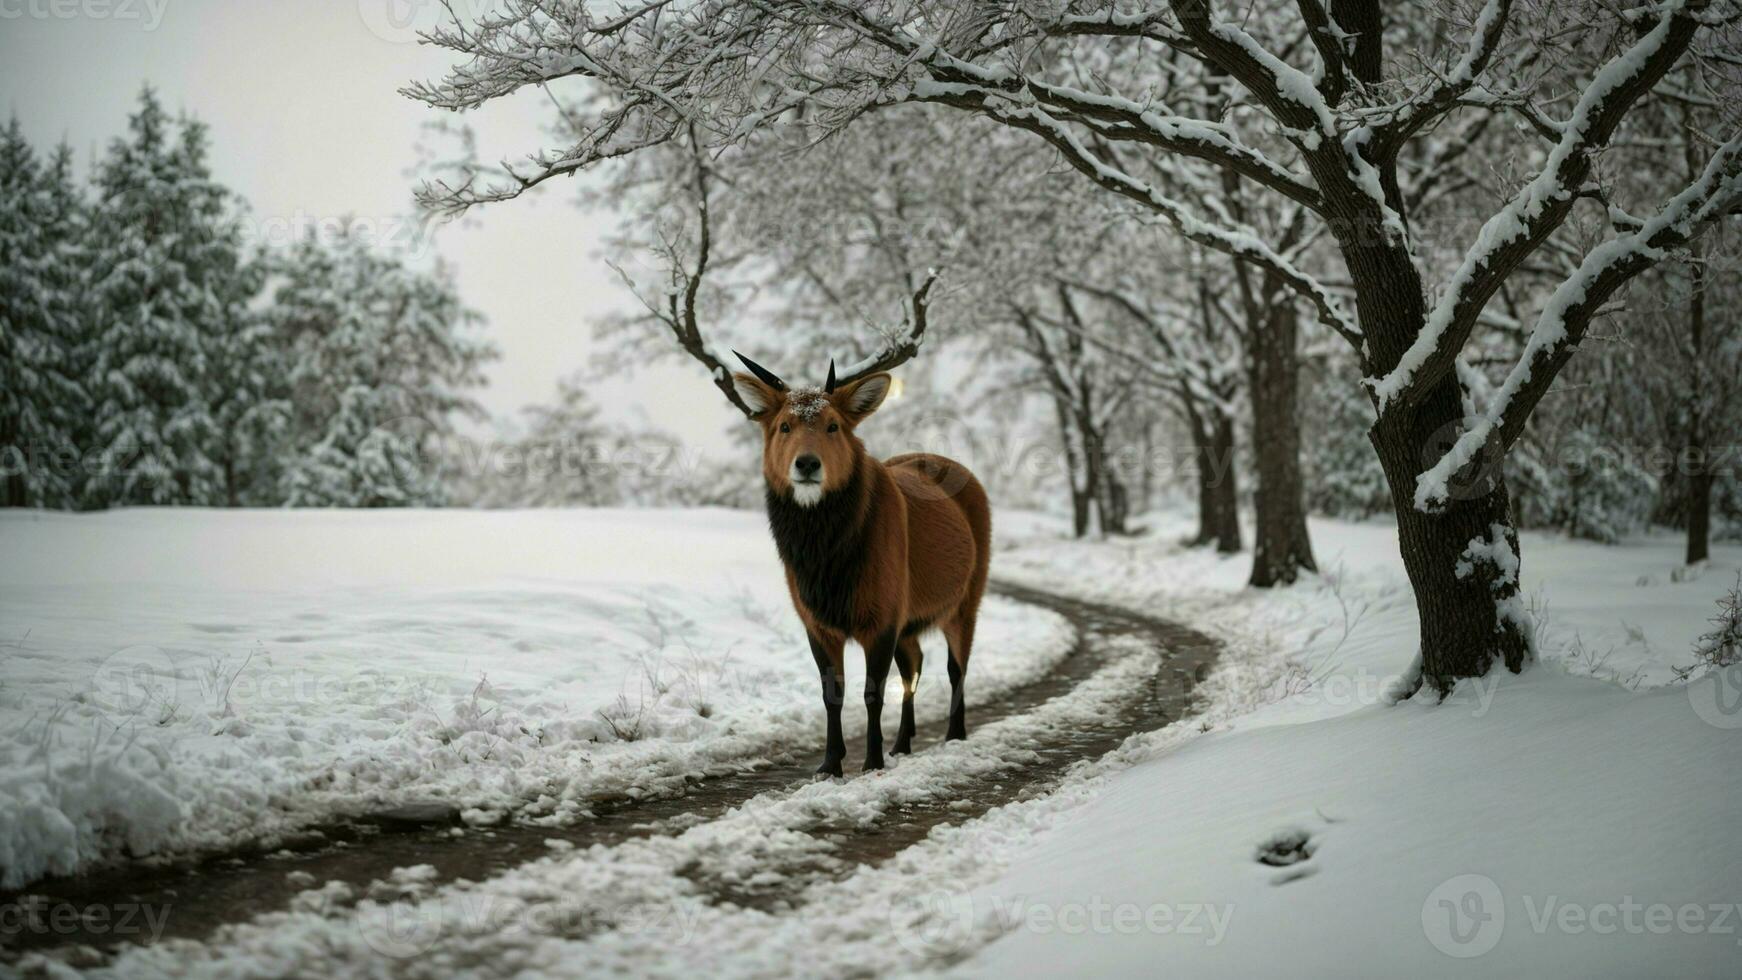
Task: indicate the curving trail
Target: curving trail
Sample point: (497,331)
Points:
(1128,674)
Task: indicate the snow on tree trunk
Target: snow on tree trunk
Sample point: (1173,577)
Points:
(1462,558)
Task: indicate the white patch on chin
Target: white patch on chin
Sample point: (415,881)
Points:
(807,494)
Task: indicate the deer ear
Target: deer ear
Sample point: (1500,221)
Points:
(759,396)
(862,397)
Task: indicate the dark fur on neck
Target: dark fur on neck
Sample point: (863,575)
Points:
(825,546)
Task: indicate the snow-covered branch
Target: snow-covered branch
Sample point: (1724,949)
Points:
(1241,243)
(1442,97)
(899,348)
(1540,207)
(1568,313)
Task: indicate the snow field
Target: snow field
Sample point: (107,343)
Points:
(1574,820)
(188,680)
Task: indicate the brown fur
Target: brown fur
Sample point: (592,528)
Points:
(912,532)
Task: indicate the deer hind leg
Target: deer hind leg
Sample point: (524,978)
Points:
(831,668)
(908,658)
(960,635)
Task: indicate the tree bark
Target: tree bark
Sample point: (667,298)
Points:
(1079,496)
(14,491)
(1462,559)
(1213,457)
(1281,547)
(1699,513)
(1115,505)
(1699,477)
(1206,476)
(1093,462)
(1224,484)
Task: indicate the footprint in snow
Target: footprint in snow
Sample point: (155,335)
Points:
(1290,850)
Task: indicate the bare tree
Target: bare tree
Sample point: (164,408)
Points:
(1330,138)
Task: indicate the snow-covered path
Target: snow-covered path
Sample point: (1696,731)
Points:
(751,845)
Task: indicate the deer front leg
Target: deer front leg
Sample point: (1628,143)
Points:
(830,668)
(878,654)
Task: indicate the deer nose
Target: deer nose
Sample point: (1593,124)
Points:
(807,465)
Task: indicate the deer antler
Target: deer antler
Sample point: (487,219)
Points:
(894,351)
(679,314)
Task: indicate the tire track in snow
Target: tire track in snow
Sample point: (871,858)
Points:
(750,839)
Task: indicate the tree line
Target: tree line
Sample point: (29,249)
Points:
(151,352)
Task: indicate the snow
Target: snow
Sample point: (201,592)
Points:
(1592,820)
(807,403)
(190,679)
(1578,817)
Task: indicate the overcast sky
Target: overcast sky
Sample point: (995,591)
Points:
(308,125)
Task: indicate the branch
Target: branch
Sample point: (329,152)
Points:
(1423,108)
(680,315)
(1241,243)
(1286,92)
(1576,301)
(1329,42)
(1540,207)
(897,350)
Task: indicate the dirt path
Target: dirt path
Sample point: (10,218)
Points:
(197,898)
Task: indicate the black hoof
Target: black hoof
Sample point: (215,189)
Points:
(956,735)
(902,747)
(830,767)
(873,762)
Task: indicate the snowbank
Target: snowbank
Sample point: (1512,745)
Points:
(1578,820)
(188,679)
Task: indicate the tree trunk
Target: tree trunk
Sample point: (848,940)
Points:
(1146,474)
(1201,451)
(231,496)
(1092,466)
(1114,503)
(1224,485)
(1699,513)
(1212,434)
(1699,475)
(1079,497)
(14,464)
(1281,548)
(1462,560)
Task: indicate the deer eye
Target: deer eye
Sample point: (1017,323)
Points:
(784,427)
(833,427)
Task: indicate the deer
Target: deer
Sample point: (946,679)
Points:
(875,551)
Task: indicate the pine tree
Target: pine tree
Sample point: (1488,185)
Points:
(170,288)
(41,402)
(379,361)
(249,399)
